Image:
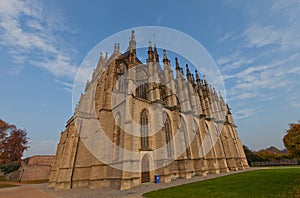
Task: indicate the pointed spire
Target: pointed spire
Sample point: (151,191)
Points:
(165,54)
(106,56)
(115,47)
(228,109)
(177,64)
(193,78)
(101,56)
(165,60)
(150,52)
(187,69)
(193,81)
(197,76)
(188,73)
(150,46)
(198,80)
(101,59)
(205,80)
(132,43)
(156,56)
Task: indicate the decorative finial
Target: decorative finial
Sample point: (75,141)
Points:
(177,64)
(204,78)
(193,78)
(156,59)
(115,47)
(101,57)
(187,69)
(188,73)
(165,60)
(197,76)
(132,43)
(118,47)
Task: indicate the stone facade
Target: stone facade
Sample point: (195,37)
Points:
(138,120)
(36,167)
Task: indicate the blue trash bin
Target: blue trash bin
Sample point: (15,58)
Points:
(156,179)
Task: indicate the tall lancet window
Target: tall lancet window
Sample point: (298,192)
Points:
(116,136)
(121,83)
(184,138)
(142,90)
(141,83)
(168,131)
(144,130)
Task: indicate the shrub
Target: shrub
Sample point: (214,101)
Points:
(10,167)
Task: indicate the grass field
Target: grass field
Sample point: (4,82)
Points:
(271,182)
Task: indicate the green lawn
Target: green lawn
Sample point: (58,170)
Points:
(277,182)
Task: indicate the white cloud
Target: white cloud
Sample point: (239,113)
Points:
(68,86)
(289,9)
(34,24)
(227,36)
(257,35)
(294,70)
(59,65)
(244,113)
(236,63)
(223,60)
(261,81)
(30,36)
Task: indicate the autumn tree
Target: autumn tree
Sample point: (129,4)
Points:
(292,139)
(269,154)
(13,142)
(251,156)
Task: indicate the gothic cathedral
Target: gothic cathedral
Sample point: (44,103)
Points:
(137,120)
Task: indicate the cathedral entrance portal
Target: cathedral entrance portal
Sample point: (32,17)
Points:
(145,169)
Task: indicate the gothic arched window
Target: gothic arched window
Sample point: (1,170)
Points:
(116,136)
(142,90)
(121,83)
(144,130)
(168,131)
(141,83)
(185,141)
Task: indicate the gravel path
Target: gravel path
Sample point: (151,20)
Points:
(42,191)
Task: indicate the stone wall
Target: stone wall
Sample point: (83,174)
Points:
(36,167)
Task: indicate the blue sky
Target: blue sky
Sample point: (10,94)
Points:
(254,43)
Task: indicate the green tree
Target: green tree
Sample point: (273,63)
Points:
(292,139)
(251,156)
